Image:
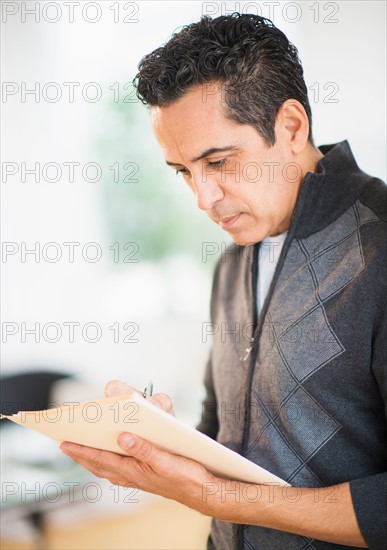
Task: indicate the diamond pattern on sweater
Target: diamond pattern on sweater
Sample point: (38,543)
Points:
(290,426)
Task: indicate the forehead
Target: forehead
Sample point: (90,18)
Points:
(200,101)
(195,122)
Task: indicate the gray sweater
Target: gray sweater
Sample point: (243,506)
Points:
(310,401)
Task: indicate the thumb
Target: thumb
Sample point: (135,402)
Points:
(117,387)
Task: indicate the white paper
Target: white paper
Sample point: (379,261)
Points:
(98,424)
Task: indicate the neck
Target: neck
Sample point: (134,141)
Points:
(311,158)
(308,163)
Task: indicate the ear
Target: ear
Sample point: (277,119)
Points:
(293,124)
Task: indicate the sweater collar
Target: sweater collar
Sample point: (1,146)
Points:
(329,191)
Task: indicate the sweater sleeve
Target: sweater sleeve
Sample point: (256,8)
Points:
(369,494)
(209,424)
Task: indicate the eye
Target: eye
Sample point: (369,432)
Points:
(216,163)
(183,171)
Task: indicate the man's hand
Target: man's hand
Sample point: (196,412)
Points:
(117,387)
(146,467)
(302,511)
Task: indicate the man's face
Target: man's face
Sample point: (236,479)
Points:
(246,187)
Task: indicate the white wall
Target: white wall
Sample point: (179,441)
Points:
(168,302)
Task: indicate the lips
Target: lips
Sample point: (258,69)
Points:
(228,221)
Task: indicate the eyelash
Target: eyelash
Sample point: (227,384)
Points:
(215,164)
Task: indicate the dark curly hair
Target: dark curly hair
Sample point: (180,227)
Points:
(254,61)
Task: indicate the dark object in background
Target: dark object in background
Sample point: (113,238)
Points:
(29,391)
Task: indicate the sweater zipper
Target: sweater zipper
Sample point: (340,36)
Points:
(249,349)
(253,351)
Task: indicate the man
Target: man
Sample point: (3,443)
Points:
(305,394)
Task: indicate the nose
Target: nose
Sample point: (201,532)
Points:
(207,192)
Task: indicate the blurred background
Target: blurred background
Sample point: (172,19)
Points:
(106,260)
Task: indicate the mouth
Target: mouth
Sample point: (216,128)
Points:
(228,221)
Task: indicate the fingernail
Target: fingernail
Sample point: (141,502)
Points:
(126,441)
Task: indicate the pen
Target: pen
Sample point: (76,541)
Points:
(148,390)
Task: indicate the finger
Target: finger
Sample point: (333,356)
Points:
(163,401)
(146,453)
(114,477)
(138,449)
(103,460)
(152,463)
(118,387)
(122,470)
(93,468)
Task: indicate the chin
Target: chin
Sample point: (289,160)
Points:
(243,240)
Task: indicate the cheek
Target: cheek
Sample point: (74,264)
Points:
(252,197)
(251,174)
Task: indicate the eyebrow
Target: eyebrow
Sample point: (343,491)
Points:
(206,153)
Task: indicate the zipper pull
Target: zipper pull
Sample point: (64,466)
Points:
(247,351)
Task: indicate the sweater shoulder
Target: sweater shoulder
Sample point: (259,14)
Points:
(374,197)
